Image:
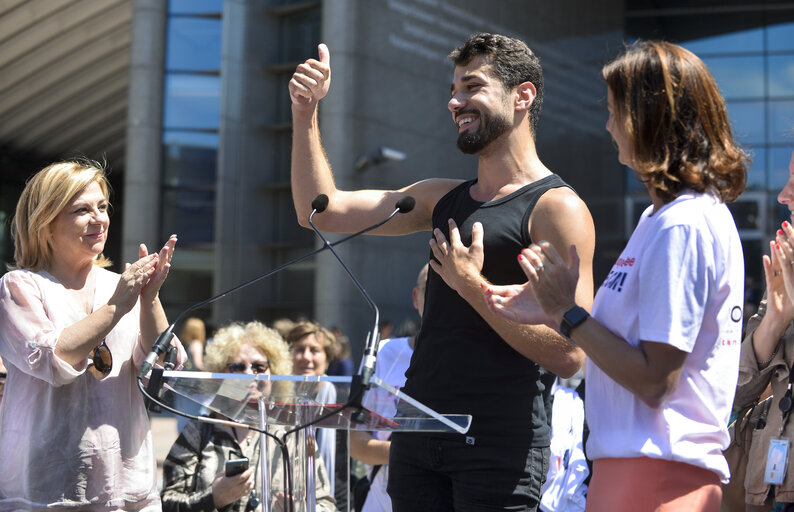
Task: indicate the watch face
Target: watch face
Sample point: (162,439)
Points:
(573,317)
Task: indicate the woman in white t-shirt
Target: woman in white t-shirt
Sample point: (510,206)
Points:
(663,340)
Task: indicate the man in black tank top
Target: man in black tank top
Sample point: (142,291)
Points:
(468,359)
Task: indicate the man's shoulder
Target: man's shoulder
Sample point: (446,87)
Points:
(560,203)
(562,197)
(561,215)
(432,190)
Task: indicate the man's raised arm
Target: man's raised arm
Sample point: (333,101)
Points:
(311,173)
(347,211)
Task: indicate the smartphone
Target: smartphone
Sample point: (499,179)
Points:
(236,466)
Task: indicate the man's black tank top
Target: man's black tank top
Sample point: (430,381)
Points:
(460,364)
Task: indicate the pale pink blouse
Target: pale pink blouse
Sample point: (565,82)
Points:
(67,439)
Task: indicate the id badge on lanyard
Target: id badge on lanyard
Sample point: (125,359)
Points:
(778,452)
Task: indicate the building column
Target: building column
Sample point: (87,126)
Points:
(336,300)
(143,161)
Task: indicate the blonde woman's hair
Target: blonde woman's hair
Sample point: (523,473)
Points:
(45,195)
(228,340)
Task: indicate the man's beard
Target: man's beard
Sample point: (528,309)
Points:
(491,128)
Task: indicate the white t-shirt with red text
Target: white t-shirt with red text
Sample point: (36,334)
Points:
(679,281)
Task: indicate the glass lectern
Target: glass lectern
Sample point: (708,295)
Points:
(280,403)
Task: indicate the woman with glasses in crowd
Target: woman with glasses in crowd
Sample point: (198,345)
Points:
(194,471)
(74,432)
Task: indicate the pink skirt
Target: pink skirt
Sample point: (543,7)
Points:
(643,484)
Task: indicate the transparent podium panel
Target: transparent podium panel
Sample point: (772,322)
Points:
(280,404)
(289,400)
(302,460)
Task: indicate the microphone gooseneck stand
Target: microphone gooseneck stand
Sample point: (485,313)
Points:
(164,339)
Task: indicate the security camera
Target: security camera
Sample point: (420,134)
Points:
(390,154)
(383,154)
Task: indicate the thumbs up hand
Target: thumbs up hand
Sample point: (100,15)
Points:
(311,80)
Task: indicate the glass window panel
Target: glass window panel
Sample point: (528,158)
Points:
(738,77)
(781,76)
(185,286)
(633,184)
(189,166)
(284,111)
(781,121)
(192,101)
(745,40)
(746,214)
(756,170)
(188,138)
(749,121)
(780,37)
(779,159)
(299,32)
(781,213)
(278,167)
(194,44)
(294,286)
(195,6)
(190,214)
(284,225)
(754,277)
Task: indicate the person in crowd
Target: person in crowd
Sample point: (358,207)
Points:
(342,362)
(372,448)
(662,343)
(283,326)
(74,432)
(194,477)
(478,226)
(767,356)
(312,349)
(565,488)
(194,337)
(385,329)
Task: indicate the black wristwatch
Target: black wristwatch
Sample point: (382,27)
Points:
(572,318)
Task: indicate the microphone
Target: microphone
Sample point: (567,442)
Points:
(319,204)
(404,205)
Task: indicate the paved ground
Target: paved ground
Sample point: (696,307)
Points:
(164,433)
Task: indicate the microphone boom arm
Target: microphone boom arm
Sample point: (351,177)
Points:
(164,339)
(404,205)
